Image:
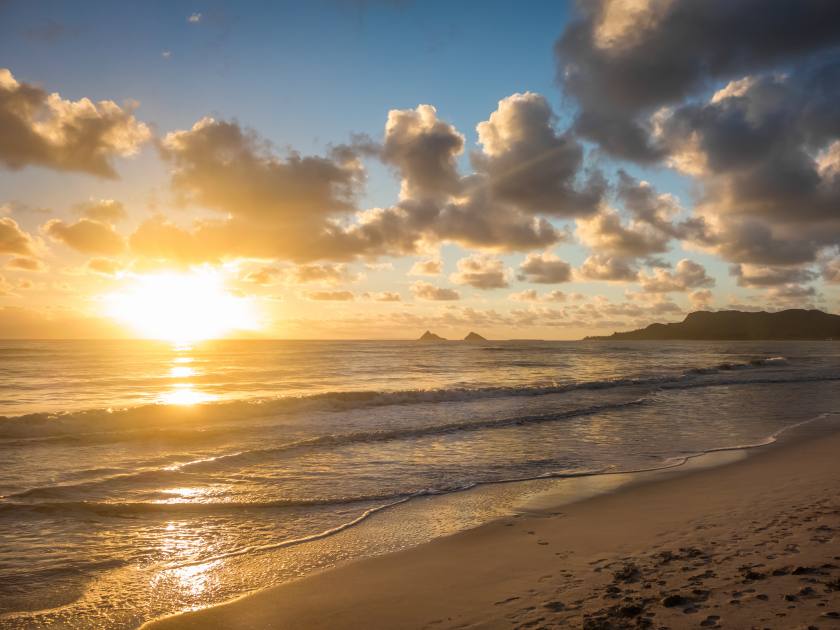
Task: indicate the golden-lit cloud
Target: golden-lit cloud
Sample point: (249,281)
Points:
(23,263)
(430,267)
(686,275)
(86,236)
(384,296)
(103,210)
(104,266)
(42,129)
(426,291)
(331,296)
(13,240)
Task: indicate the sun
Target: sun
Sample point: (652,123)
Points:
(180,307)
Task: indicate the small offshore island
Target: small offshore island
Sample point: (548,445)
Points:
(471,337)
(794,324)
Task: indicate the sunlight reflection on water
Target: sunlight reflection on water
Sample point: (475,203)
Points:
(184,393)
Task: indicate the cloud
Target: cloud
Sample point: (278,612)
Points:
(25,264)
(272,207)
(158,238)
(621,60)
(749,113)
(262,276)
(768,276)
(13,240)
(104,266)
(103,210)
(481,271)
(530,295)
(831,271)
(687,275)
(27,323)
(793,295)
(424,151)
(530,166)
(425,291)
(41,129)
(384,296)
(194,18)
(323,273)
(331,296)
(545,268)
(86,236)
(605,267)
(6,288)
(436,203)
(430,267)
(701,299)
(304,208)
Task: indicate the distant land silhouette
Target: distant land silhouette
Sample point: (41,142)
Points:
(474,337)
(740,325)
(430,336)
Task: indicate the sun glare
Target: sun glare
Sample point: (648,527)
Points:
(180,307)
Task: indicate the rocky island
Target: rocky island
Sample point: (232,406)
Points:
(430,336)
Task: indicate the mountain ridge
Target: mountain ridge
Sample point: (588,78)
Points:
(732,325)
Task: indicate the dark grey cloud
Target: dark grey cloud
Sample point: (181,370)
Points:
(605,267)
(621,60)
(740,96)
(424,150)
(532,167)
(544,268)
(481,271)
(762,276)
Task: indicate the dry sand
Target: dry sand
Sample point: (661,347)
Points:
(754,544)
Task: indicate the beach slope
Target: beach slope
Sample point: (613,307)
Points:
(755,543)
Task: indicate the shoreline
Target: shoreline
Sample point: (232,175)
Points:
(479,576)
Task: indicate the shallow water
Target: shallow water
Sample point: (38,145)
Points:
(139,479)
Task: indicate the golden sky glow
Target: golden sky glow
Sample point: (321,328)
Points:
(180,307)
(623,179)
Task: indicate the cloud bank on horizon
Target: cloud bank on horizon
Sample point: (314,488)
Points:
(738,98)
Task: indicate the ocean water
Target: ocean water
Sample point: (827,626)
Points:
(140,479)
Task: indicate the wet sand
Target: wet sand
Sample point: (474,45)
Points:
(751,544)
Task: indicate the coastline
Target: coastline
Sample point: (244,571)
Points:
(613,558)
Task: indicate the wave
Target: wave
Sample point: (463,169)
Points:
(174,421)
(170,474)
(387,501)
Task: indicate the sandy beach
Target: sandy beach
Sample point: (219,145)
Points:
(751,544)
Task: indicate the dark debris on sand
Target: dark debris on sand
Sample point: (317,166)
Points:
(725,581)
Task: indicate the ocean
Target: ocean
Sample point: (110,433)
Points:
(139,479)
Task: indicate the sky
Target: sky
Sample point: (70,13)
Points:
(360,169)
